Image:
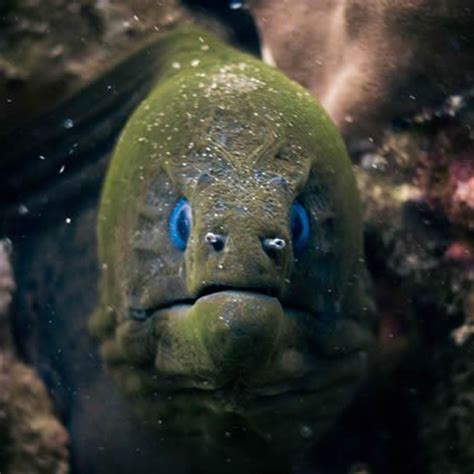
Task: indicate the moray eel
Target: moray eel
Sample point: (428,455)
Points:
(235,310)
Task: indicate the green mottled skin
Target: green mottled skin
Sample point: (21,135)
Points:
(241,142)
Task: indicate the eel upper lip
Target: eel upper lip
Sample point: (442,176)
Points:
(211,289)
(141,314)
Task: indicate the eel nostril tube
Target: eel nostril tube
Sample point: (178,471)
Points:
(216,240)
(274,244)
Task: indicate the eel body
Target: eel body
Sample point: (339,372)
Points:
(229,295)
(234,311)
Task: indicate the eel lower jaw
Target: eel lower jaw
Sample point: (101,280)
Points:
(349,369)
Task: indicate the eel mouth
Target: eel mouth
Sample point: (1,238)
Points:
(245,344)
(142,314)
(193,358)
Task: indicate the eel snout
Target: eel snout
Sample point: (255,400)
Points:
(225,334)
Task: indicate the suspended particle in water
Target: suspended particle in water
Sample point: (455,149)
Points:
(236,4)
(22,210)
(68,123)
(306,431)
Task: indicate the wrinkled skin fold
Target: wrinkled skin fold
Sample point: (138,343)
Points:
(243,352)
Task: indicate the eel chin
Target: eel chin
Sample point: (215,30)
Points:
(238,360)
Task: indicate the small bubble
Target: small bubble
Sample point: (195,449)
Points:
(176,65)
(42,157)
(68,220)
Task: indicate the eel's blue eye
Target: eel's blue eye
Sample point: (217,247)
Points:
(180,224)
(299,226)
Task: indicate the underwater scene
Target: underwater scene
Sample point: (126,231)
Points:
(236,237)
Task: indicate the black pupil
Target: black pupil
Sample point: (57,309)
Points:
(183,225)
(296,227)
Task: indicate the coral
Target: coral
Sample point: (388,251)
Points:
(419,215)
(416,188)
(446,174)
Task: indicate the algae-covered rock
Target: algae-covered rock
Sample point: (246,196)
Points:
(447,421)
(50,48)
(32,440)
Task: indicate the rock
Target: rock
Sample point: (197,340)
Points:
(32,440)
